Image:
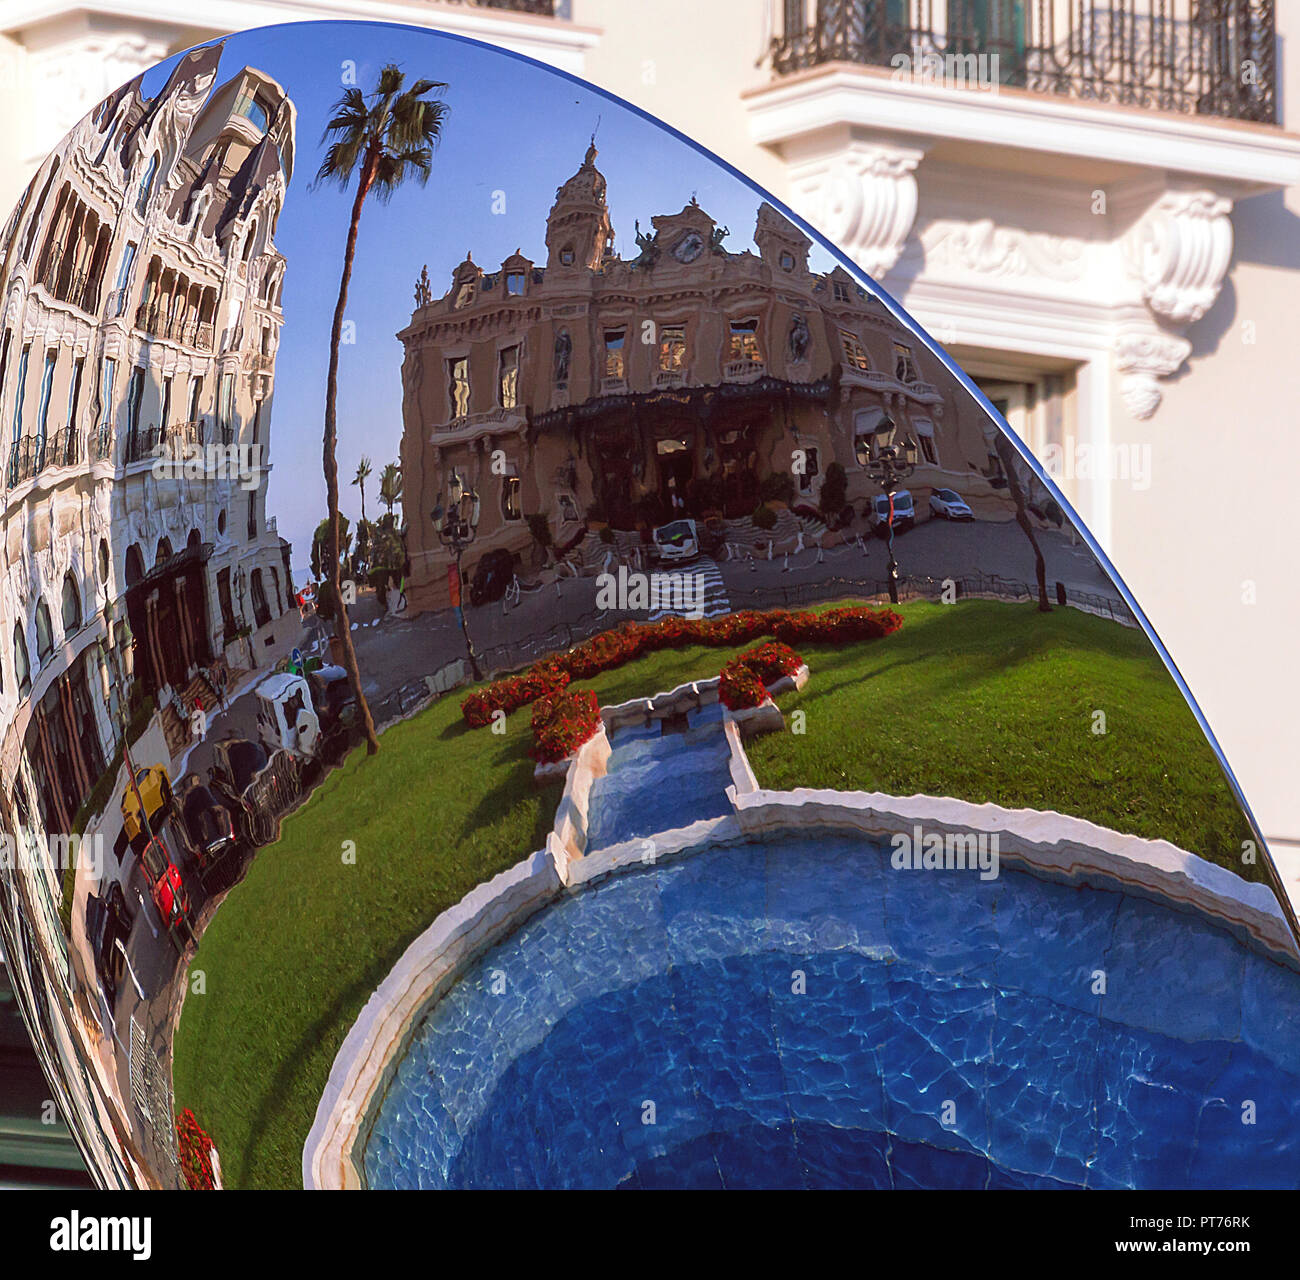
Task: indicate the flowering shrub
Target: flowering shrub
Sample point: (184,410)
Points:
(562,722)
(744,680)
(196,1152)
(539,681)
(739,687)
(843,625)
(770,661)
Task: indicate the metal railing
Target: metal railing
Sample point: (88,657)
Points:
(1187,56)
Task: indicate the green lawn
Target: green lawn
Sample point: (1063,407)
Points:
(994,702)
(980,700)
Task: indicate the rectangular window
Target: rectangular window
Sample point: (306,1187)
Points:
(511,500)
(135,398)
(515,282)
(672,348)
(854,354)
(508,377)
(107,378)
(810,471)
(47,389)
(118,302)
(196,392)
(165,420)
(615,365)
(226,410)
(19,393)
(74,395)
(904,366)
(227,605)
(458,386)
(743,345)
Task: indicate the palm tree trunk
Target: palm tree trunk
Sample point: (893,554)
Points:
(330,462)
(1009,459)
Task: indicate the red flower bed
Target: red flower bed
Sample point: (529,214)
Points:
(740,688)
(770,661)
(843,625)
(562,722)
(744,680)
(196,1152)
(540,680)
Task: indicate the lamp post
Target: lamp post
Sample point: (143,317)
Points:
(891,460)
(457,526)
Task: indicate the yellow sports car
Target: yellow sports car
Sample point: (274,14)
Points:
(155,789)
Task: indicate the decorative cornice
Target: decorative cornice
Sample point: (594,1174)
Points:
(1179,251)
(862,197)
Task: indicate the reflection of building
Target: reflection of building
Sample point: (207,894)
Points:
(676,382)
(141,309)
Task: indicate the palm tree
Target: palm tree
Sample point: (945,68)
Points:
(390,485)
(363,474)
(383,138)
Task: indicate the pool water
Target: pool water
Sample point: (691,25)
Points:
(800,1014)
(656,780)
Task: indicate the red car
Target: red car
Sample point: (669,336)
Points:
(166,887)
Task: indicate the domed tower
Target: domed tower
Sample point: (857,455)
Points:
(578,229)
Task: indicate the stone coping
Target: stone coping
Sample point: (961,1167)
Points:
(368,1058)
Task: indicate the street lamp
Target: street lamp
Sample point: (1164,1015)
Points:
(457,526)
(890,461)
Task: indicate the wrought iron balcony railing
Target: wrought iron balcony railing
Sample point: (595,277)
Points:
(542,8)
(1198,57)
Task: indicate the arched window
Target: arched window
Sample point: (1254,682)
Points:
(44,632)
(71,605)
(194,540)
(134,564)
(22,665)
(103,563)
(163,553)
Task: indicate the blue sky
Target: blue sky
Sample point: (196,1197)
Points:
(512,127)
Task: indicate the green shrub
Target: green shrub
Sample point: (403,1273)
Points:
(764,517)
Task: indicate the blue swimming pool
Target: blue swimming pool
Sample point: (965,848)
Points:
(802,1015)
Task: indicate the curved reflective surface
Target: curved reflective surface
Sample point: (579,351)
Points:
(662,535)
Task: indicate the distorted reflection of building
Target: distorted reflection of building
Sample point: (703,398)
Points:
(141,317)
(678,382)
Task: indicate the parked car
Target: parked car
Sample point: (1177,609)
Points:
(166,886)
(904,512)
(108,922)
(209,824)
(492,576)
(155,789)
(236,762)
(948,504)
(676,542)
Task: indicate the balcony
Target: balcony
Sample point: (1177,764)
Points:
(1182,56)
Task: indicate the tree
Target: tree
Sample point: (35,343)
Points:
(390,485)
(1010,460)
(363,474)
(382,138)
